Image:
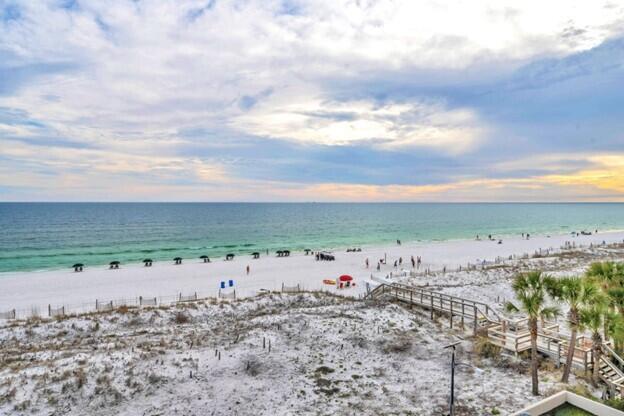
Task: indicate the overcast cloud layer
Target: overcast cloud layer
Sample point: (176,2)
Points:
(312,100)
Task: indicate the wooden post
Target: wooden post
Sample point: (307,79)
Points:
(462,315)
(474,307)
(431,297)
(451,317)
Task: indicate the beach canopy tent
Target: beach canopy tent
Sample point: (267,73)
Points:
(148,262)
(114,264)
(78,267)
(178,260)
(205,258)
(255,255)
(345,280)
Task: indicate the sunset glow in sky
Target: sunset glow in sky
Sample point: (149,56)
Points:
(344,100)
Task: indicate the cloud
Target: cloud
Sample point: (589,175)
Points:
(277,96)
(387,125)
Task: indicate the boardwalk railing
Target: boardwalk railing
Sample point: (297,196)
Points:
(512,335)
(477,313)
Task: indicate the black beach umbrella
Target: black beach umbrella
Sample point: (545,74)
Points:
(255,255)
(148,262)
(178,260)
(205,258)
(78,267)
(114,264)
(229,256)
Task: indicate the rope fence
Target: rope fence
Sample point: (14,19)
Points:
(291,289)
(54,311)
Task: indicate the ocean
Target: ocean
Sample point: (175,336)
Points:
(46,236)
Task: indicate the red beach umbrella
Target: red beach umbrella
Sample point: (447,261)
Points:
(345,278)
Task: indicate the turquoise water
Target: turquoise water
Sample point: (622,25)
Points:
(37,236)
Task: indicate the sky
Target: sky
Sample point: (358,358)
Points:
(288,100)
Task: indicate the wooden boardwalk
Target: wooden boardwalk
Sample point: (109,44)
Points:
(512,335)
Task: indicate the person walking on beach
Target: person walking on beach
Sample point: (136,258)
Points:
(418,262)
(395,264)
(378,266)
(367,262)
(400,261)
(247,269)
(413,262)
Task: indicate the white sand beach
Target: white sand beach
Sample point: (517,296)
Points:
(28,291)
(279,354)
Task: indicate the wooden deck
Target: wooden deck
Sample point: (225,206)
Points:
(512,335)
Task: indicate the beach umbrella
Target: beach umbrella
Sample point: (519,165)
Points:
(114,264)
(178,260)
(255,255)
(345,278)
(78,267)
(205,258)
(147,261)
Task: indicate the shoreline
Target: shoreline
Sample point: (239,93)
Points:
(297,249)
(26,291)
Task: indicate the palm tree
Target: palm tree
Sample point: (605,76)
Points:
(607,274)
(615,323)
(593,319)
(531,291)
(610,277)
(577,293)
